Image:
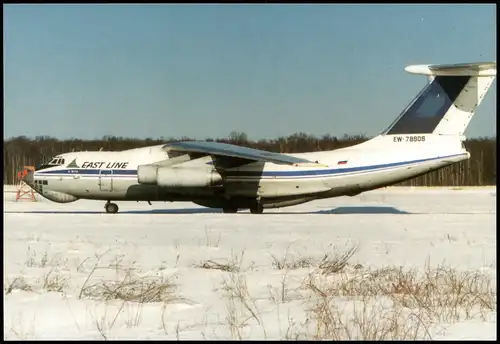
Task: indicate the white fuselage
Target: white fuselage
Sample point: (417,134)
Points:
(381,161)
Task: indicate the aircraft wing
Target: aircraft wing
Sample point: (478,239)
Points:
(232,151)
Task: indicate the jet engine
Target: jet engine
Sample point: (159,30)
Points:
(147,174)
(175,177)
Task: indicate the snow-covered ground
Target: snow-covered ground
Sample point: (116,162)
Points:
(182,271)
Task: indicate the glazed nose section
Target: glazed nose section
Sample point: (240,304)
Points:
(29,177)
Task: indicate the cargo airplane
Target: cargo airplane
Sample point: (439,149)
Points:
(426,136)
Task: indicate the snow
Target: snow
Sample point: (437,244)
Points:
(49,244)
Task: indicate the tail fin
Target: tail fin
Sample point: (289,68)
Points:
(447,104)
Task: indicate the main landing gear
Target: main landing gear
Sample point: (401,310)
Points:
(257,208)
(111,208)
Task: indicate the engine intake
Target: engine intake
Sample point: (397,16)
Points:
(147,174)
(174,177)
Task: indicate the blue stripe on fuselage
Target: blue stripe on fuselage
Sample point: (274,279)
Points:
(326,172)
(289,173)
(72,171)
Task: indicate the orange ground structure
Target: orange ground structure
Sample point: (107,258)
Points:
(24,191)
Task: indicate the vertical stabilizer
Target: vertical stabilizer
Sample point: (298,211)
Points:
(448,102)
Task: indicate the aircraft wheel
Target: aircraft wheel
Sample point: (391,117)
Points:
(257,209)
(228,210)
(111,208)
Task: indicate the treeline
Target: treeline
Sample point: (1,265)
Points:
(479,170)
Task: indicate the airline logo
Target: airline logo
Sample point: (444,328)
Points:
(100,164)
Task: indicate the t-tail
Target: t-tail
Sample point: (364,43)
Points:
(446,105)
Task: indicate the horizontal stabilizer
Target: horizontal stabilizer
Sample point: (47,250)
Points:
(465,69)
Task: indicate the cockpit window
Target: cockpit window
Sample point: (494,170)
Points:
(57,161)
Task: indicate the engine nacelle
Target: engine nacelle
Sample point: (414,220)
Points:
(178,177)
(147,174)
(187,177)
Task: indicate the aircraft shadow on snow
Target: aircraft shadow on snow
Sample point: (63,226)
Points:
(343,210)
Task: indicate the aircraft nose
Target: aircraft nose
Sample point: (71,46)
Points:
(29,178)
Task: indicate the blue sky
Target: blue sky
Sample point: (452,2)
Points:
(86,71)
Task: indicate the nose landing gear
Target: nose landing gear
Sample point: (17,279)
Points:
(111,208)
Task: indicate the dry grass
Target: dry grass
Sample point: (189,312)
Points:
(393,303)
(54,282)
(214,265)
(43,260)
(128,285)
(211,241)
(241,307)
(289,262)
(34,261)
(445,293)
(335,315)
(330,263)
(364,319)
(280,294)
(232,265)
(389,303)
(18,283)
(50,281)
(344,301)
(132,289)
(332,316)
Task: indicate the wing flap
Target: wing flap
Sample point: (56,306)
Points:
(233,151)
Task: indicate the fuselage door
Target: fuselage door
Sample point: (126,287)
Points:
(106,180)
